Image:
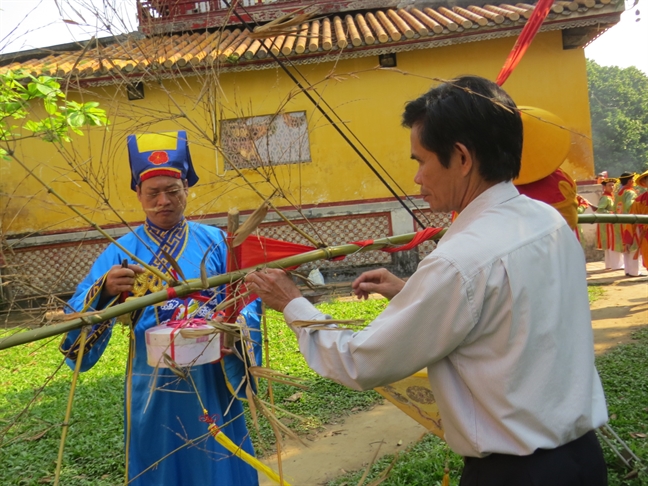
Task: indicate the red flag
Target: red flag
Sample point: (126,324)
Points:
(254,251)
(529,31)
(257,250)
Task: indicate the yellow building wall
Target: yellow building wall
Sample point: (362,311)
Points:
(94,168)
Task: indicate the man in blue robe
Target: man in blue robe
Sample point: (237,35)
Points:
(167,442)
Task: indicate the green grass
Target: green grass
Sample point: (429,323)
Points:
(28,450)
(595,292)
(94,449)
(422,464)
(623,372)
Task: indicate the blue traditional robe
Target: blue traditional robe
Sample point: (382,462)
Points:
(165,412)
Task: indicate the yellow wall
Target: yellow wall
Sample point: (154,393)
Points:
(369,101)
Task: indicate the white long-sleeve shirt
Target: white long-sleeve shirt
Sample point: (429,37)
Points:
(499,315)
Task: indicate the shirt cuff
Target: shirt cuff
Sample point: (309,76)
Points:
(300,309)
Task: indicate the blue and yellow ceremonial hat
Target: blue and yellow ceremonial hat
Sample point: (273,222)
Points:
(160,154)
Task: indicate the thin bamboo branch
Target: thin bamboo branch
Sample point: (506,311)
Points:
(68,411)
(266,344)
(279,213)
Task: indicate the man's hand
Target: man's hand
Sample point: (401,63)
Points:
(120,279)
(377,281)
(275,288)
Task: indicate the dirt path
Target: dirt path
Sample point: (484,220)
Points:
(622,310)
(352,444)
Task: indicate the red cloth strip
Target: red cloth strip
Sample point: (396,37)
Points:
(529,31)
(257,250)
(254,251)
(419,238)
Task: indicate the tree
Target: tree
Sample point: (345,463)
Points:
(22,97)
(18,92)
(619,112)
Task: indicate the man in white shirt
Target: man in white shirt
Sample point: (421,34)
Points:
(498,312)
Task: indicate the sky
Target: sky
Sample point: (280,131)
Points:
(28,24)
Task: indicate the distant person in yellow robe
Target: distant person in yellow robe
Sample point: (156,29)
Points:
(640,206)
(605,231)
(623,200)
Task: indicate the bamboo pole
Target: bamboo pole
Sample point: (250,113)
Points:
(613,218)
(215,281)
(194,285)
(68,411)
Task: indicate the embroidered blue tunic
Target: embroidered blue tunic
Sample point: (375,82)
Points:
(164,410)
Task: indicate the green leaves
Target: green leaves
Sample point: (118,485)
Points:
(21,93)
(619,113)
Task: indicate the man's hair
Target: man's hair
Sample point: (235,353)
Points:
(625,178)
(477,113)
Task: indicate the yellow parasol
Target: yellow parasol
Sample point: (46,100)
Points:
(545,146)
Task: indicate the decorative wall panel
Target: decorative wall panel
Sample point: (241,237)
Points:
(336,231)
(55,269)
(266,140)
(58,269)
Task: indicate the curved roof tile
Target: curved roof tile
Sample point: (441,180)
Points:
(361,31)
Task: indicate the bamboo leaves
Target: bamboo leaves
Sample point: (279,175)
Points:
(250,224)
(171,261)
(203,267)
(328,325)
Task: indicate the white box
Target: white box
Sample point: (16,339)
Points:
(184,351)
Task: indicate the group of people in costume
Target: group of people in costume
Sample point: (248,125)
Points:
(498,313)
(625,245)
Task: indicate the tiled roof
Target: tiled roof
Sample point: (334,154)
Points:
(346,33)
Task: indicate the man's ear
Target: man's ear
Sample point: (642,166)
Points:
(466,158)
(138,191)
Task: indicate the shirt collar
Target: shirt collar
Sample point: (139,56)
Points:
(497,194)
(159,233)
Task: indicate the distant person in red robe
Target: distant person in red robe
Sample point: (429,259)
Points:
(558,190)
